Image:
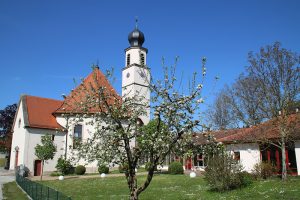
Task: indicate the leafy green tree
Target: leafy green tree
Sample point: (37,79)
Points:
(45,151)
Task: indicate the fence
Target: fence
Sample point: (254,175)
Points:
(38,191)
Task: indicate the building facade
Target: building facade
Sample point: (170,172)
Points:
(257,144)
(37,116)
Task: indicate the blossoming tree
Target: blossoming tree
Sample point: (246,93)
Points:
(119,138)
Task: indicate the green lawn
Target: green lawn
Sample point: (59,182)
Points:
(11,191)
(174,187)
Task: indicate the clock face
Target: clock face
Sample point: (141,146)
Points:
(127,75)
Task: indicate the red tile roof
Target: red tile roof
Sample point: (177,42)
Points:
(38,112)
(266,131)
(83,98)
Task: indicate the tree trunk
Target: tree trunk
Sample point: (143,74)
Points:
(42,170)
(134,195)
(132,183)
(283,161)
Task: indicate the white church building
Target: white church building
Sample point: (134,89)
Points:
(38,116)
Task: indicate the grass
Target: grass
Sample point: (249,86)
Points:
(12,191)
(2,162)
(174,187)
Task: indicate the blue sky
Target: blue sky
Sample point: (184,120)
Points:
(45,44)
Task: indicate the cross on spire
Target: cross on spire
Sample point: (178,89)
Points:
(136,22)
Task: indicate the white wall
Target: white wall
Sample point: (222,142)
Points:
(135,55)
(136,79)
(136,85)
(18,139)
(249,154)
(34,138)
(87,132)
(26,139)
(297,152)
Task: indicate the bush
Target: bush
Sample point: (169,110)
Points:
(175,168)
(245,178)
(263,170)
(123,168)
(55,174)
(103,169)
(64,166)
(22,170)
(224,173)
(80,170)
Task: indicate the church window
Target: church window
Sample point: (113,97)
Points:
(128,59)
(142,59)
(19,123)
(77,137)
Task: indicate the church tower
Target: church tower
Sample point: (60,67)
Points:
(136,74)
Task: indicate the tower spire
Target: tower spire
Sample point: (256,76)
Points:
(136,37)
(136,74)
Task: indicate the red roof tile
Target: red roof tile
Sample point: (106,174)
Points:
(39,112)
(266,131)
(83,98)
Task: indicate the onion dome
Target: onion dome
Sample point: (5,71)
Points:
(136,38)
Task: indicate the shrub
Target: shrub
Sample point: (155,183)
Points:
(175,168)
(64,166)
(245,178)
(147,166)
(22,170)
(123,168)
(263,170)
(80,170)
(224,173)
(55,174)
(103,169)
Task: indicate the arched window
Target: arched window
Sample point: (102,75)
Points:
(19,123)
(142,59)
(128,59)
(77,137)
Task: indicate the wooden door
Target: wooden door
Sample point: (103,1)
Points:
(37,167)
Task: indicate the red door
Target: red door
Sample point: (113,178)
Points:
(188,164)
(37,167)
